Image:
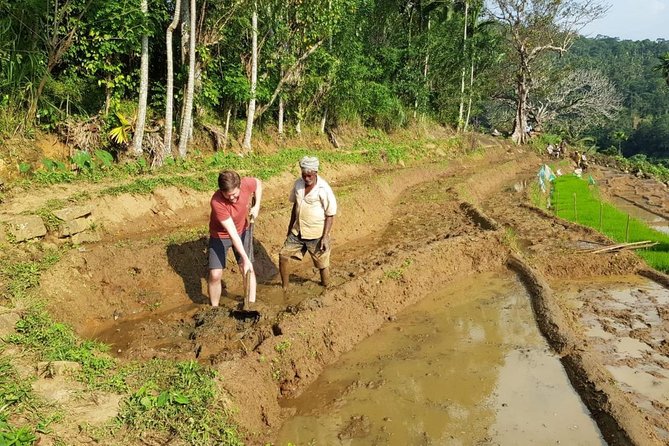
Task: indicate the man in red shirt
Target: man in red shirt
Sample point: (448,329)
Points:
(230,206)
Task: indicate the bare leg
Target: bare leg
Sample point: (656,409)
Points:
(214,286)
(283,269)
(325,276)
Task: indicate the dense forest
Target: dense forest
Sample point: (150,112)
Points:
(642,126)
(140,77)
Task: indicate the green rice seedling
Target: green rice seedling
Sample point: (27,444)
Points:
(578,200)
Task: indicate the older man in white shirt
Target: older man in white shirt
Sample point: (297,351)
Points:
(314,209)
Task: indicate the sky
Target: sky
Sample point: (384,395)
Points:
(633,20)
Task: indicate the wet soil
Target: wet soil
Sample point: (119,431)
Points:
(466,365)
(403,233)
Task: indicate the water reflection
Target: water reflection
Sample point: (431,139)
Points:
(464,366)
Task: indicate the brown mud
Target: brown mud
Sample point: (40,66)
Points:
(402,233)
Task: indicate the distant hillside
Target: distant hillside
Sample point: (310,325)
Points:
(643,126)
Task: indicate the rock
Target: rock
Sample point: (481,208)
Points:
(75,226)
(72,213)
(57,368)
(8,320)
(26,227)
(85,237)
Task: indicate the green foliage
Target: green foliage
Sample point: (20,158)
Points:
(53,172)
(12,436)
(632,66)
(24,167)
(122,133)
(55,341)
(14,392)
(22,276)
(540,142)
(177,397)
(574,199)
(82,160)
(46,213)
(398,273)
(282,346)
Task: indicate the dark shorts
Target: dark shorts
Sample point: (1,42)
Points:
(218,247)
(295,248)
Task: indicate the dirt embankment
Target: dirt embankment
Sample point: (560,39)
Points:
(401,233)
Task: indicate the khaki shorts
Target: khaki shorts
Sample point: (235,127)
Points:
(295,248)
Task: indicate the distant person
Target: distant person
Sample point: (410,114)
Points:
(550,148)
(583,164)
(314,209)
(559,151)
(230,207)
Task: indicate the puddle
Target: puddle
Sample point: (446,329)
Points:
(464,366)
(653,386)
(655,220)
(625,321)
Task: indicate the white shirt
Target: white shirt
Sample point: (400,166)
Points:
(312,208)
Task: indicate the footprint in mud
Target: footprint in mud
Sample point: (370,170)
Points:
(357,427)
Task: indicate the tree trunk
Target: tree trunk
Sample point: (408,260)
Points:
(469,100)
(169,96)
(464,70)
(187,121)
(250,112)
(281,111)
(185,38)
(227,128)
(323,120)
(520,129)
(143,90)
(108,92)
(298,124)
(185,20)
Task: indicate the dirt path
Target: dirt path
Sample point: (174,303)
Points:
(402,233)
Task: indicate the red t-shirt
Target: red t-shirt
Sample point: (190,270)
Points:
(221,209)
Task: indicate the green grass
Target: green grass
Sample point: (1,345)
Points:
(137,178)
(54,341)
(179,398)
(576,200)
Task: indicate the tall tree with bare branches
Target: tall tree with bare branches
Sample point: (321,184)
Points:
(535,28)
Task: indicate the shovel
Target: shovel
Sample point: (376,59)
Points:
(246,312)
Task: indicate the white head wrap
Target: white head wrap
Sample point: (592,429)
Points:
(309,163)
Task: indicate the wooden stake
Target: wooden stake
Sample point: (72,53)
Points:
(557,200)
(627,229)
(601,214)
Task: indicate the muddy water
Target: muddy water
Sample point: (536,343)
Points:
(655,220)
(464,366)
(624,321)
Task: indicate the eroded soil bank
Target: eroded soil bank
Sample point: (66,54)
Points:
(402,234)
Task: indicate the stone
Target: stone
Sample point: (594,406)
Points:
(75,226)
(85,237)
(57,368)
(8,321)
(26,227)
(72,212)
